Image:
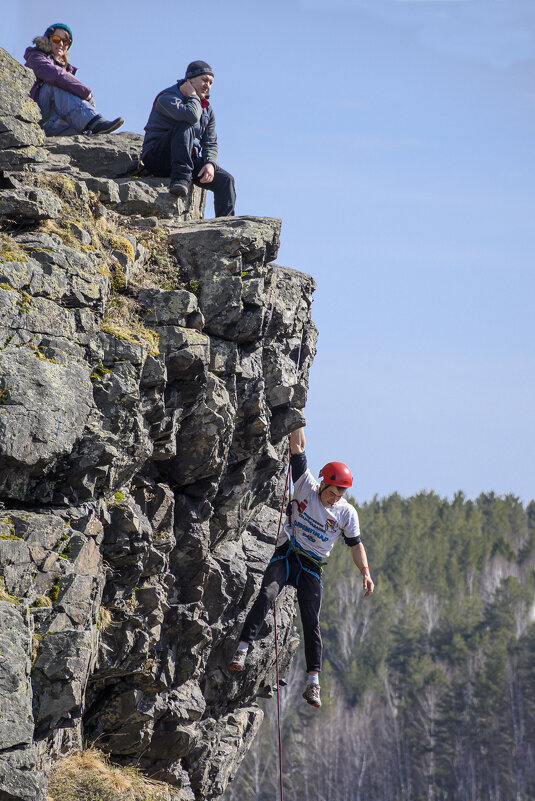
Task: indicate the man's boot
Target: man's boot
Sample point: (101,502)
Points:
(179,188)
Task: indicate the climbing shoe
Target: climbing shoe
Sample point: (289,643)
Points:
(238,663)
(179,188)
(312,695)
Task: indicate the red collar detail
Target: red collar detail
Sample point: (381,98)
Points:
(204,102)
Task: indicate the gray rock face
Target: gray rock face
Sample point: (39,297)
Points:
(28,206)
(118,153)
(16,700)
(139,483)
(19,778)
(45,412)
(21,138)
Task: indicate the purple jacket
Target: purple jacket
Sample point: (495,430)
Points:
(47,71)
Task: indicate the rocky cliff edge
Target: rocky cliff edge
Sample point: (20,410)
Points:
(148,381)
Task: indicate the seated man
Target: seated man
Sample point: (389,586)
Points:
(181,141)
(319,516)
(67,105)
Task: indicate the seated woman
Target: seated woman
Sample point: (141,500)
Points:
(67,105)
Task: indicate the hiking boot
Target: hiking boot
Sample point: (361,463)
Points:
(238,663)
(101,126)
(179,188)
(312,695)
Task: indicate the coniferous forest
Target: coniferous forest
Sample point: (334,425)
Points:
(428,686)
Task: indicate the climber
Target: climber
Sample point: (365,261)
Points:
(318,515)
(67,105)
(181,141)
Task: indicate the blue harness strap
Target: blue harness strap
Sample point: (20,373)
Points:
(292,546)
(283,556)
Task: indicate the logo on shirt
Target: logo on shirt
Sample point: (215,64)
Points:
(330,524)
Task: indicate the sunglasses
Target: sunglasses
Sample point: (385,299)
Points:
(57,39)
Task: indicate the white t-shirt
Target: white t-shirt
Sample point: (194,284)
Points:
(317,527)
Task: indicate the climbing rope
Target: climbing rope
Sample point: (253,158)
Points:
(283,506)
(279,728)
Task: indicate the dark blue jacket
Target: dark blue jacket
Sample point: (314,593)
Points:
(171,106)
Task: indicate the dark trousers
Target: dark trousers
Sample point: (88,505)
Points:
(277,575)
(173,156)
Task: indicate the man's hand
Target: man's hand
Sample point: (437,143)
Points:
(358,554)
(91,100)
(297,441)
(206,174)
(367,584)
(187,89)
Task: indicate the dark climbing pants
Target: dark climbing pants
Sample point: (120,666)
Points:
(173,157)
(278,574)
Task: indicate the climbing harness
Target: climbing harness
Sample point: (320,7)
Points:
(293,548)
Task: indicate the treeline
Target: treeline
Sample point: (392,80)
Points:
(428,687)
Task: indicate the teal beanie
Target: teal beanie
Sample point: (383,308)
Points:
(59,25)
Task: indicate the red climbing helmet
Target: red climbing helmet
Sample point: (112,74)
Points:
(337,473)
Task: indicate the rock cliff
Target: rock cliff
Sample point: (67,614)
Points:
(152,364)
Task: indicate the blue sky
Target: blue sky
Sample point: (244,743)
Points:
(395,139)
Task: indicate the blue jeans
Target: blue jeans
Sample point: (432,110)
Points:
(62,113)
